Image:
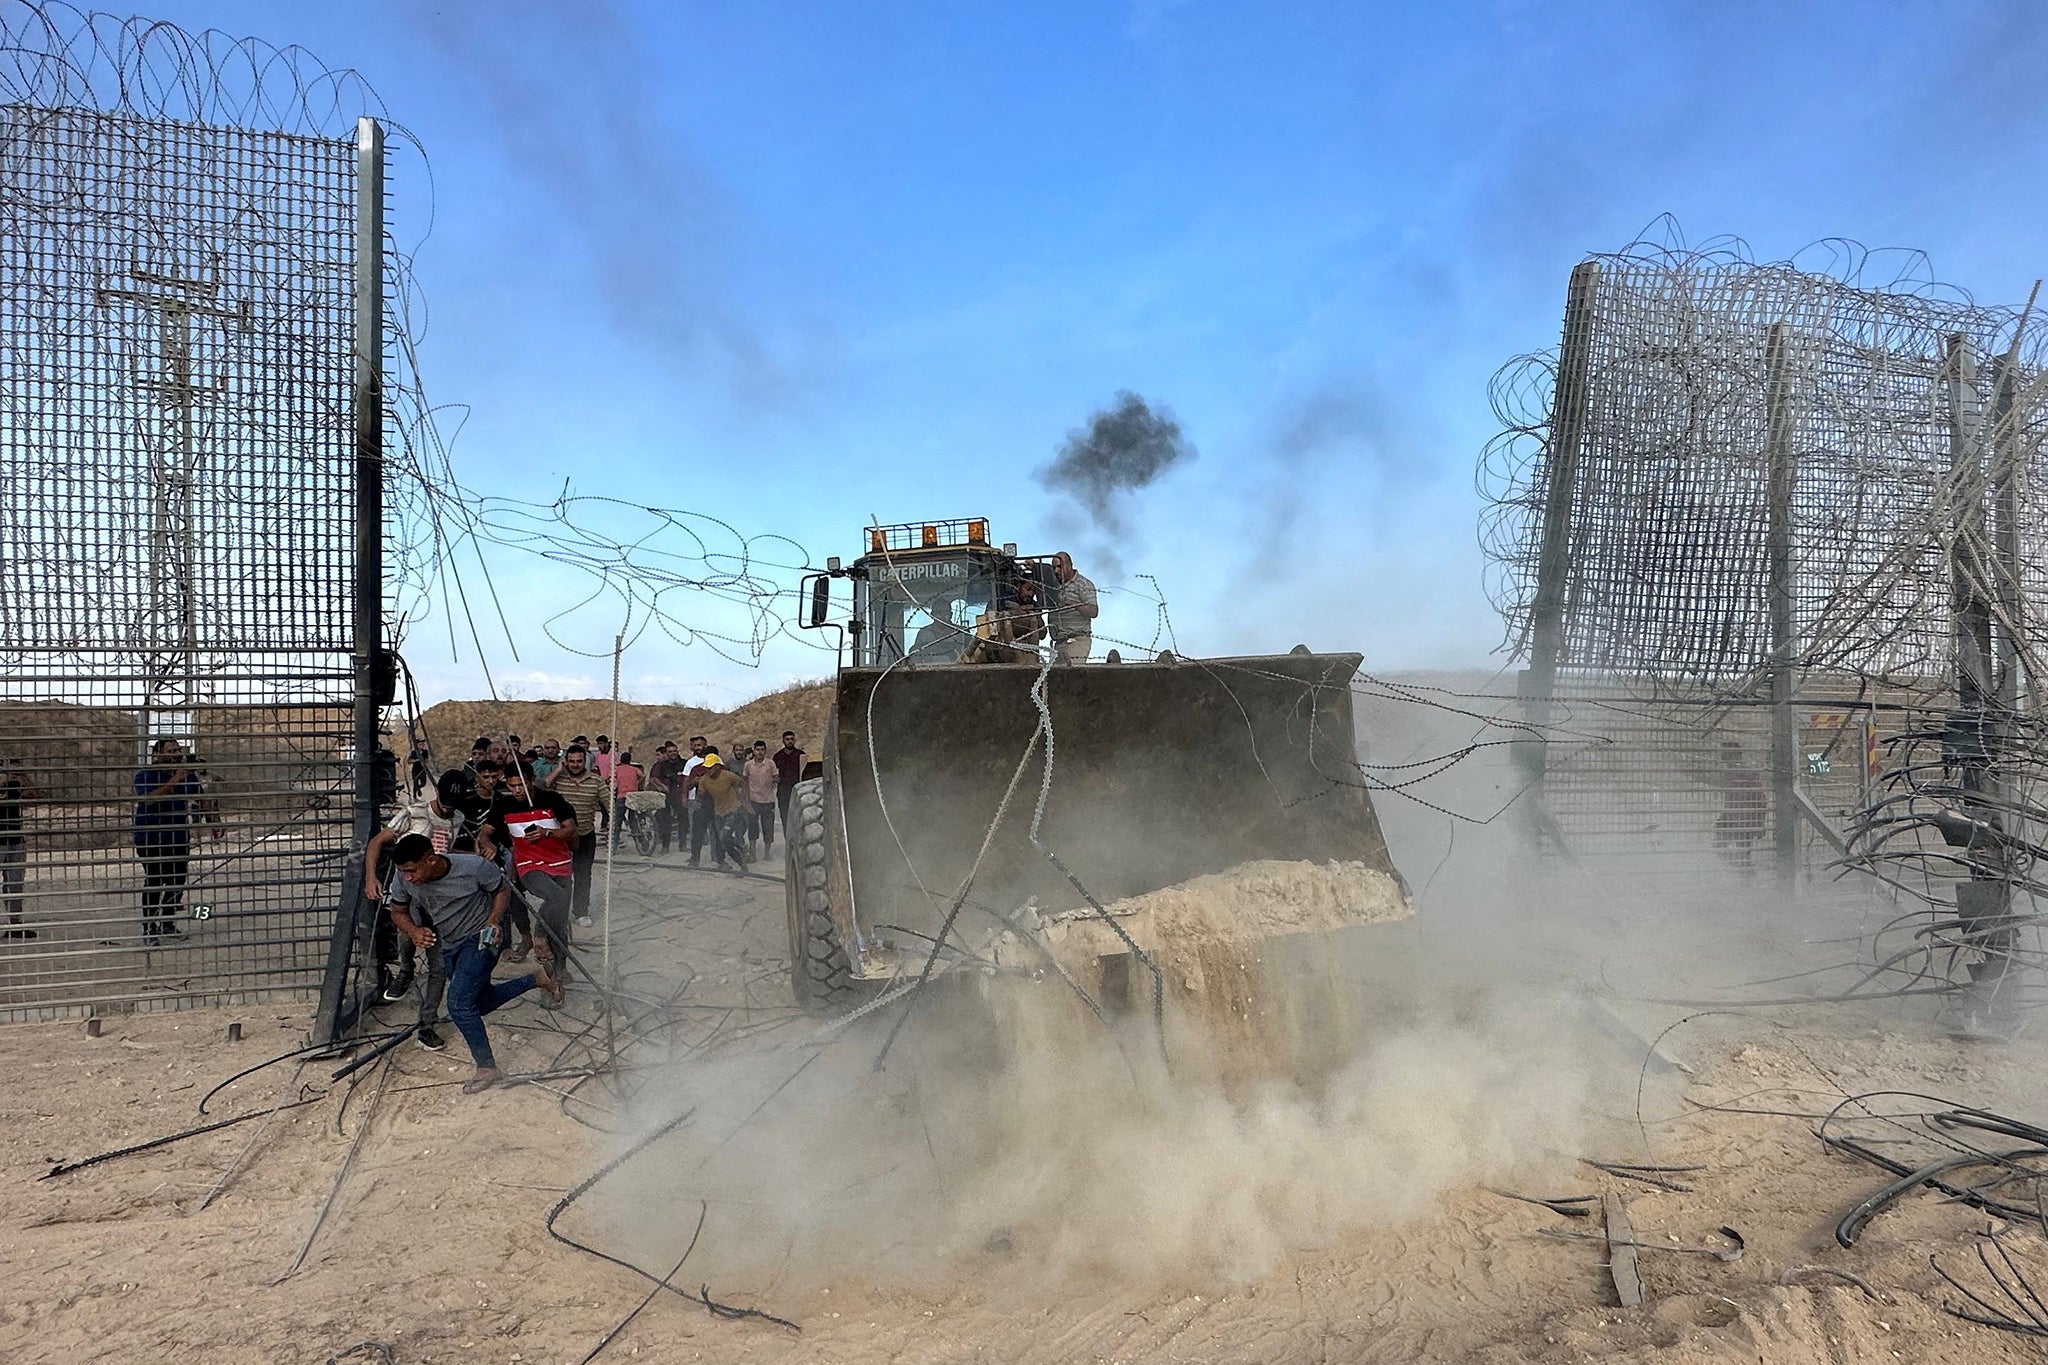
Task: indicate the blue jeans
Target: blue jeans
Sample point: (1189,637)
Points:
(472,994)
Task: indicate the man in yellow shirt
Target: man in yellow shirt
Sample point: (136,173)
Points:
(722,787)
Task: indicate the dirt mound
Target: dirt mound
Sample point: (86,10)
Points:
(1251,970)
(1273,896)
(452,725)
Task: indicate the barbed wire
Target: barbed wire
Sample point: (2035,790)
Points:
(72,80)
(1669,513)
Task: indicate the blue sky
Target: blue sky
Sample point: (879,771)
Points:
(797,265)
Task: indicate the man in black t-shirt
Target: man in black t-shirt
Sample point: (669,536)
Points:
(13,852)
(666,776)
(165,795)
(478,838)
(789,770)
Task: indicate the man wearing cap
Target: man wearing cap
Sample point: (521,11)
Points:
(720,787)
(1074,611)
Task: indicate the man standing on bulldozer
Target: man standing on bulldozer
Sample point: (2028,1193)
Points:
(1074,611)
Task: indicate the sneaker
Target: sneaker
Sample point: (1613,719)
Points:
(484,1079)
(169,929)
(18,932)
(693,862)
(430,1040)
(584,921)
(397,988)
(150,941)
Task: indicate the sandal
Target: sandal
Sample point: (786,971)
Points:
(549,985)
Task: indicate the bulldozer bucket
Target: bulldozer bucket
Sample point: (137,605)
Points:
(1159,773)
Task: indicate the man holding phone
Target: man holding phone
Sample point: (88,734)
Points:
(465,898)
(166,794)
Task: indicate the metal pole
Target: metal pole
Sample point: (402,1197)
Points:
(1781,479)
(611,856)
(611,823)
(1975,729)
(2005,500)
(188,548)
(352,935)
(1967,571)
(1553,559)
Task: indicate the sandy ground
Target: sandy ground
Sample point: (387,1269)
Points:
(1374,1246)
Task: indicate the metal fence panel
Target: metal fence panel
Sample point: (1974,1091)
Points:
(1665,545)
(1755,524)
(177,558)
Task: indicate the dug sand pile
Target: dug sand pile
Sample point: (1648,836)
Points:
(1260,966)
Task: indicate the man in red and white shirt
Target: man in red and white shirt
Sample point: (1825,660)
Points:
(541,827)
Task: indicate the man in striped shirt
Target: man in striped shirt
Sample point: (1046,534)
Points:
(576,783)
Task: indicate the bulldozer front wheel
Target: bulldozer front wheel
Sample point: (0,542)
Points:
(819,968)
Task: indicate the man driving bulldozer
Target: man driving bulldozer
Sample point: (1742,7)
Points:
(1010,634)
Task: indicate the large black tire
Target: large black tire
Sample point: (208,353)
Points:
(819,968)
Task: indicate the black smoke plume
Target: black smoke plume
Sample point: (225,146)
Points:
(1125,447)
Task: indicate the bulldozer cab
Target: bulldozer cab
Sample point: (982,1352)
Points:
(922,588)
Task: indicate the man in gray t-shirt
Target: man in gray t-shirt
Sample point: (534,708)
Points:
(1075,607)
(467,897)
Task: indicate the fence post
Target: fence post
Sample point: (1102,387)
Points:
(1968,570)
(1553,557)
(1781,481)
(350,941)
(2007,473)
(1976,727)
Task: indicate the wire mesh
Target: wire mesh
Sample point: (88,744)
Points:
(1883,435)
(176,546)
(1891,457)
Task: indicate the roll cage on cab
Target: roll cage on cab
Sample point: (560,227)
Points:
(920,590)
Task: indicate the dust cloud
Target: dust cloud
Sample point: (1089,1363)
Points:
(1310,1088)
(1013,1141)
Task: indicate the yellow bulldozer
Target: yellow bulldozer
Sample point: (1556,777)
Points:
(928,829)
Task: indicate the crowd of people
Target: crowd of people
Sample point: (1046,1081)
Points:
(496,861)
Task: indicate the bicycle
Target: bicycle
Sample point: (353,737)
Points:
(640,809)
